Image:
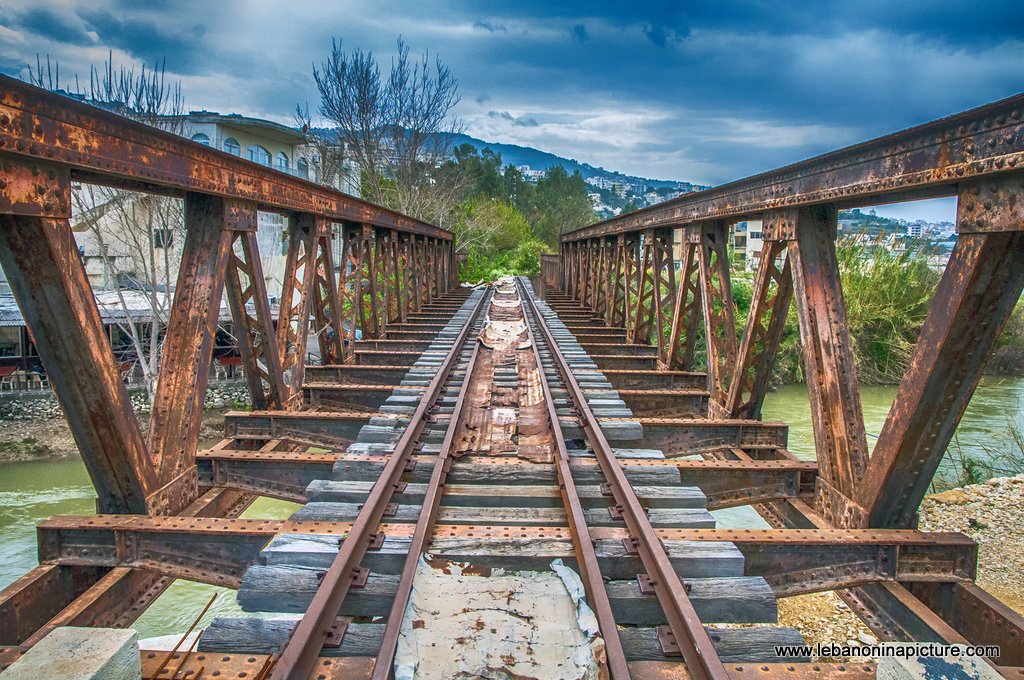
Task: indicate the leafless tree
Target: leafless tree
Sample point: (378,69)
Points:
(397,130)
(139,237)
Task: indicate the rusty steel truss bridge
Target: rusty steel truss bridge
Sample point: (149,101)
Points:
(585,435)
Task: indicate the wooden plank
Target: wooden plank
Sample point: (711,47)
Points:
(264,636)
(742,599)
(519,496)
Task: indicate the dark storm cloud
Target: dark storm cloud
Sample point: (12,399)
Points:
(707,90)
(147,40)
(48,23)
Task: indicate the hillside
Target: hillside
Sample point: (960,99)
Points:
(513,154)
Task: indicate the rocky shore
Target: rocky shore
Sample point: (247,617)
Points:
(993,515)
(32,426)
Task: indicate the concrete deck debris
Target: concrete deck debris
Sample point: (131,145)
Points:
(72,653)
(467,621)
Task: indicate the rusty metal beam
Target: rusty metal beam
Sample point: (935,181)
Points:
(257,340)
(106,147)
(766,321)
(836,414)
(277,474)
(979,617)
(38,596)
(40,258)
(719,312)
(208,550)
(51,595)
(326,303)
(187,352)
(296,297)
(924,161)
(982,283)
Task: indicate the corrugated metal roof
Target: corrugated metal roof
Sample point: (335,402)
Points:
(137,305)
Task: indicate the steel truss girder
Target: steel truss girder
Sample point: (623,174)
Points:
(719,315)
(217,551)
(102,147)
(726,483)
(773,291)
(920,162)
(52,595)
(254,330)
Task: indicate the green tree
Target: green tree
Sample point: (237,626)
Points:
(560,203)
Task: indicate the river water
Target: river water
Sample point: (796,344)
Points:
(33,491)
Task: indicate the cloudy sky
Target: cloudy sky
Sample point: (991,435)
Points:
(706,91)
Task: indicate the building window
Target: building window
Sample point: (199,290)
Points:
(200,138)
(282,160)
(232,147)
(303,168)
(257,154)
(10,341)
(163,238)
(755,234)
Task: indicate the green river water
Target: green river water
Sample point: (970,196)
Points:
(33,491)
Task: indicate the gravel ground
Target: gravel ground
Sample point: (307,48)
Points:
(993,515)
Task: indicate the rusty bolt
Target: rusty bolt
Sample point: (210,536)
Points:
(4,120)
(40,189)
(47,207)
(52,174)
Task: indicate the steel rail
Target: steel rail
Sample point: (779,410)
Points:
(300,653)
(702,660)
(586,556)
(383,667)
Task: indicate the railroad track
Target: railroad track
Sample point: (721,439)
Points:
(485,473)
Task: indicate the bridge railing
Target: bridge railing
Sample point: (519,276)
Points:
(390,266)
(624,269)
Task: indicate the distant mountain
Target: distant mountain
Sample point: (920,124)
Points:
(513,154)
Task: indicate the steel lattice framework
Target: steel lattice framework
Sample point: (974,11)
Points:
(645,295)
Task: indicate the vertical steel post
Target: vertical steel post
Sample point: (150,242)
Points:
(828,364)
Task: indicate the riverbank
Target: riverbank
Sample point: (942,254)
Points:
(33,428)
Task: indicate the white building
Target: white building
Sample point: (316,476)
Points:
(748,241)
